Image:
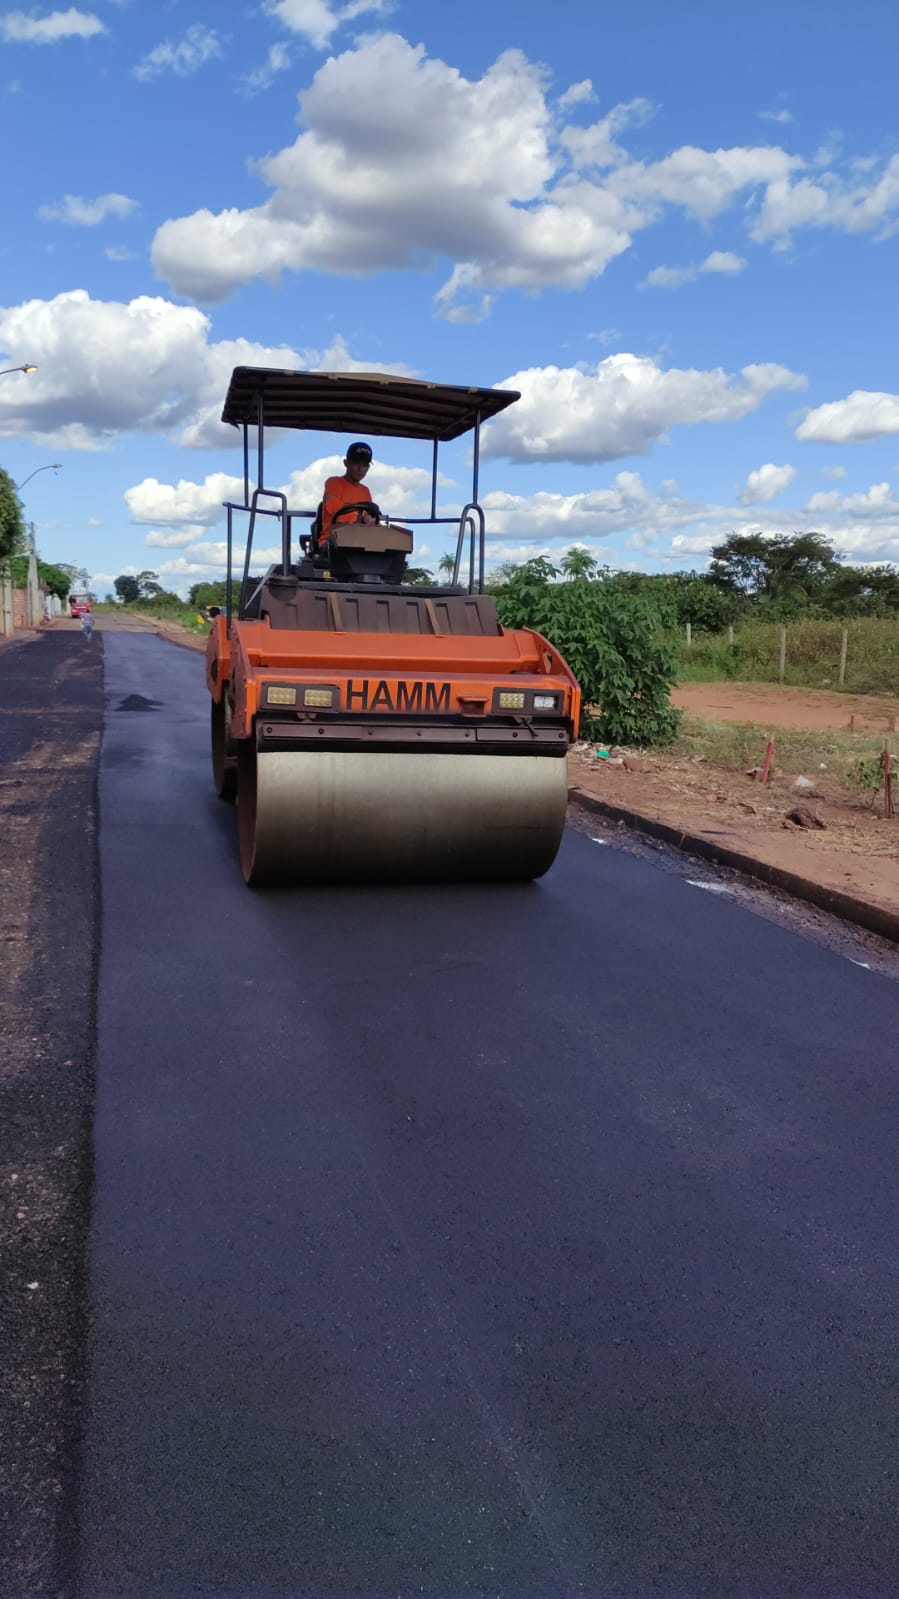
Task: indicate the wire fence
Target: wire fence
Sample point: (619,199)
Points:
(860,657)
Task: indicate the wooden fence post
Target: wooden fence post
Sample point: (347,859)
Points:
(689,636)
(843,643)
(730,633)
(783,652)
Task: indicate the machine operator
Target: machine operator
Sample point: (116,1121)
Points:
(347,490)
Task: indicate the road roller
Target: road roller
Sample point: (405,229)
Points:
(371,729)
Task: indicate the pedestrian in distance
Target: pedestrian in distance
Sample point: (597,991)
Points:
(87,625)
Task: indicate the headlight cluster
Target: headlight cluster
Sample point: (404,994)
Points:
(525,700)
(296,694)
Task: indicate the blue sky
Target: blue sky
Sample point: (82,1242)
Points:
(673,228)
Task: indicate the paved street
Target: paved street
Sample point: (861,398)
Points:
(526,1241)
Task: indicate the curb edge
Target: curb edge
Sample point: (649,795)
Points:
(849,909)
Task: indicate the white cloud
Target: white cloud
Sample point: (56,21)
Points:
(621,406)
(723,261)
(187,508)
(828,202)
(185,56)
(467,313)
(625,516)
(93,522)
(483,173)
(662,277)
(278,60)
(78,212)
(833,471)
(199,505)
(776,116)
(863,415)
(765,483)
(174,539)
(627,507)
(119,252)
(597,146)
(702,182)
(107,367)
(317,20)
(18,27)
(576,94)
(876,501)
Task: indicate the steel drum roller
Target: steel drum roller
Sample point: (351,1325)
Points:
(330,816)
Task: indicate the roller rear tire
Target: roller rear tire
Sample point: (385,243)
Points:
(224,750)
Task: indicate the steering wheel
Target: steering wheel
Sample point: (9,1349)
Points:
(364,505)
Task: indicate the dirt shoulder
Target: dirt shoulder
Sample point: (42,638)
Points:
(770,705)
(856,851)
(51,711)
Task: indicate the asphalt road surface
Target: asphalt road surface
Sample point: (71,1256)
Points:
(528,1241)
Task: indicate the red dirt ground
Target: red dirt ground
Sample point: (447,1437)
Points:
(856,852)
(769,705)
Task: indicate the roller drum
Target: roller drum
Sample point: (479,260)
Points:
(336,816)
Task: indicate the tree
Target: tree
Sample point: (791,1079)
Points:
(127,588)
(53,578)
(578,562)
(145,586)
(612,642)
(12,524)
(781,575)
(201,595)
(862,591)
(447,565)
(418,575)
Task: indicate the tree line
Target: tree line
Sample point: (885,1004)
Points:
(789,577)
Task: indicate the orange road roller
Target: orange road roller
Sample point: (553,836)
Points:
(374,730)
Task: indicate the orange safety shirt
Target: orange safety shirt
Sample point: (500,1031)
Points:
(339,491)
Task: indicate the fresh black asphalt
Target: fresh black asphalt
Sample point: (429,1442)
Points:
(526,1241)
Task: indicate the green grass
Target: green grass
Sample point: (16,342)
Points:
(739,746)
(812,659)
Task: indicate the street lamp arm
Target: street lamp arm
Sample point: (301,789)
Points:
(52,466)
(26,368)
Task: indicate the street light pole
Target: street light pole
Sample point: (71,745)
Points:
(52,466)
(27,368)
(34,609)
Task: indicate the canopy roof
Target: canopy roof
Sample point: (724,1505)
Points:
(359,402)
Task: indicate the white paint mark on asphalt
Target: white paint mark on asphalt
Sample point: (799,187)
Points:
(712,888)
(863,964)
(599,841)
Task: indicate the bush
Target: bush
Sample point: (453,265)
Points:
(612,642)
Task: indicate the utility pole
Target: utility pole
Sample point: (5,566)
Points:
(34,605)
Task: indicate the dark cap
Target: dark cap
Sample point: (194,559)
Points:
(359,452)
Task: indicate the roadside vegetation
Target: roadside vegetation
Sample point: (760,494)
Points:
(812,655)
(851,759)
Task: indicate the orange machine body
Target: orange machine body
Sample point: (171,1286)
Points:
(391,678)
